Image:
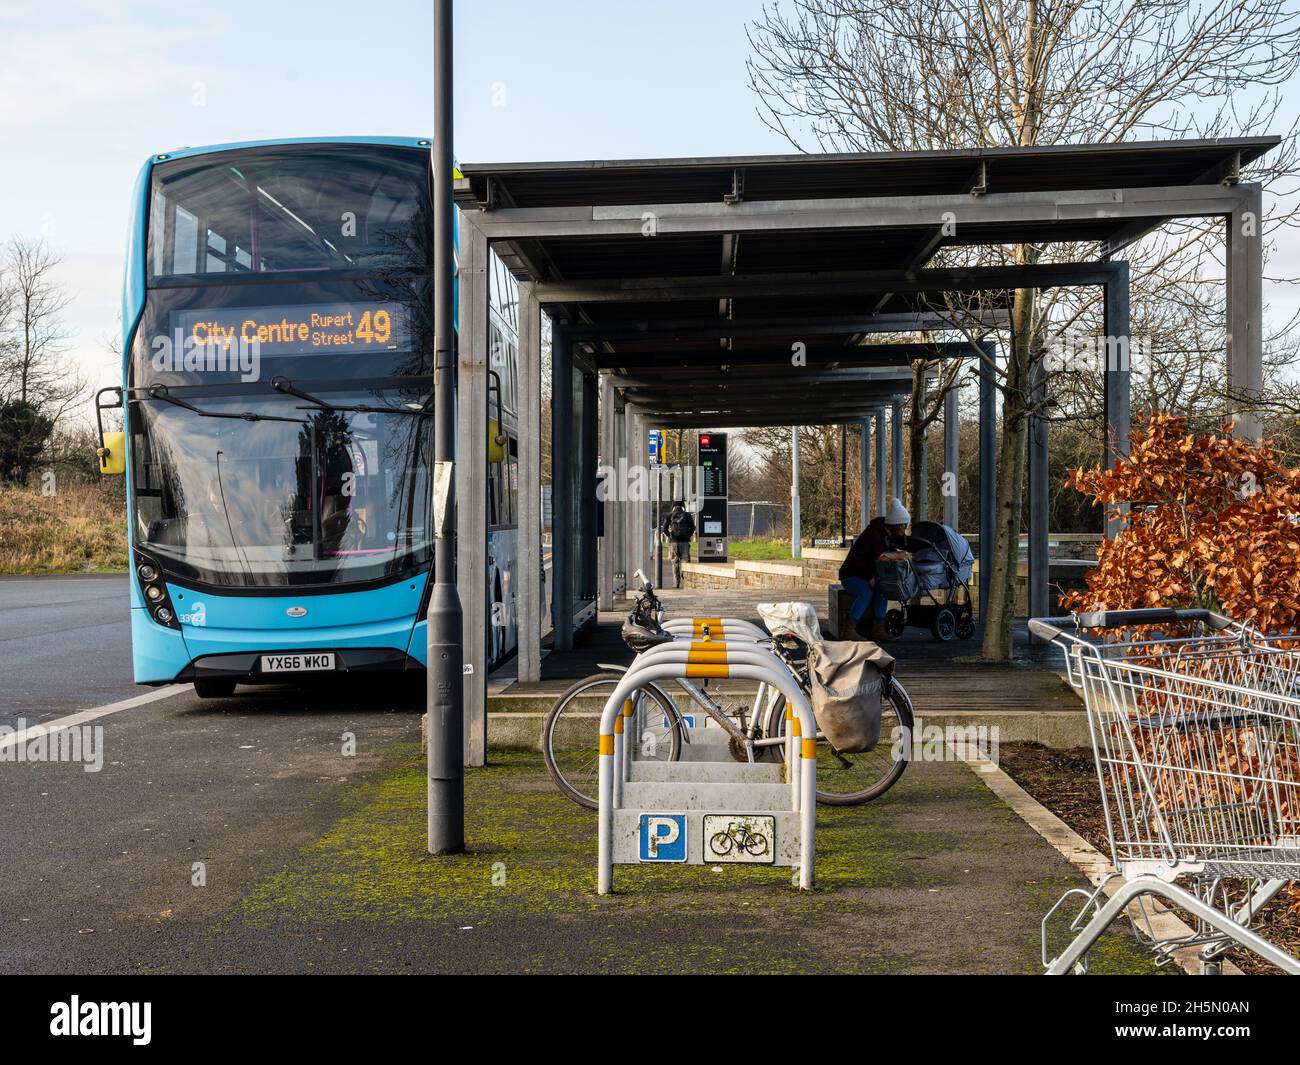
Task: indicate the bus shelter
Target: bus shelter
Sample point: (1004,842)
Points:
(744,291)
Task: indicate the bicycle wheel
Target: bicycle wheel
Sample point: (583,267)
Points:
(571,734)
(720,844)
(851,779)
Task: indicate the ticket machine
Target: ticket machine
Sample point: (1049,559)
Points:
(711,521)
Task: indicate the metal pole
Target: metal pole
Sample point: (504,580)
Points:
(1039,488)
(795,551)
(951,456)
(844,482)
(864,473)
(988,435)
(881,503)
(896,449)
(1115,312)
(659,520)
(446,772)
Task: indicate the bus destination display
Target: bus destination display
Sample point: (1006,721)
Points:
(337,328)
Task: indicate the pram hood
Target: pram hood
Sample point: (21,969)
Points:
(946,547)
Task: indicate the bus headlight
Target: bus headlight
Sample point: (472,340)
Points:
(154,592)
(148,572)
(164,615)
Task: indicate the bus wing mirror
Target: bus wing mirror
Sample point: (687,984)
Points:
(496,436)
(496,449)
(112,455)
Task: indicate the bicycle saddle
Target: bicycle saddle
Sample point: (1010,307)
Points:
(642,637)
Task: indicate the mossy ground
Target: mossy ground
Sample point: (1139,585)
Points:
(902,886)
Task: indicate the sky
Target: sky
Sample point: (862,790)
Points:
(90,88)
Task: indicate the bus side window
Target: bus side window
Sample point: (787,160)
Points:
(512,481)
(493,486)
(512,378)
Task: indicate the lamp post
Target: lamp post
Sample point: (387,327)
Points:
(446,727)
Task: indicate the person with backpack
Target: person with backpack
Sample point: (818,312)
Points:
(678,529)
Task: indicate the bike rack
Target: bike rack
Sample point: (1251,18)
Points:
(691,801)
(718,628)
(710,653)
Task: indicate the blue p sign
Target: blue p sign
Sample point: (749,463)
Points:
(663,838)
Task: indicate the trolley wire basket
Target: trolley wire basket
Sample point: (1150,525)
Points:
(1195,727)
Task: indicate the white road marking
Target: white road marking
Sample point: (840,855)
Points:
(13,739)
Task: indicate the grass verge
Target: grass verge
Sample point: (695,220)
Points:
(79,528)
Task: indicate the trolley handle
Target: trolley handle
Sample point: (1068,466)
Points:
(1052,628)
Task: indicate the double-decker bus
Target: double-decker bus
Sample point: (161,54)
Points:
(277,414)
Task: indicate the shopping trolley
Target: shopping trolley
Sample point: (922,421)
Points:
(1195,724)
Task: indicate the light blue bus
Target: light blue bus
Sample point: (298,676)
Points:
(277,414)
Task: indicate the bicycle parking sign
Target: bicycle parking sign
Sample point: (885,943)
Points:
(747,838)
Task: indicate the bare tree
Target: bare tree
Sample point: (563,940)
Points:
(34,368)
(821,451)
(902,75)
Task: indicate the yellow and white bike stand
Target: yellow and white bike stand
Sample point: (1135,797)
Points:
(707,812)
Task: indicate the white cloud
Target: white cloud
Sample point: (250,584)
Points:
(46,74)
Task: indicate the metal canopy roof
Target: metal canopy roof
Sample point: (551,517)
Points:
(1134,164)
(832,217)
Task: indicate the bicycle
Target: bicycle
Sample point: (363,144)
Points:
(756,734)
(737,835)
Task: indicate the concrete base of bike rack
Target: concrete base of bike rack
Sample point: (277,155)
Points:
(707,745)
(705,771)
(719,773)
(627,829)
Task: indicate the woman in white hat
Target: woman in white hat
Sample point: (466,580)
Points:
(888,532)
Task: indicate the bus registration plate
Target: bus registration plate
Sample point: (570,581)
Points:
(296,663)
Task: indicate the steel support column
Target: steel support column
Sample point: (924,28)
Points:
(896,449)
(881,502)
(796,533)
(921,505)
(471,480)
(1039,564)
(618,504)
(587,566)
(864,473)
(528,576)
(951,459)
(563,447)
(644,505)
(988,437)
(1116,372)
(607,546)
(1245,310)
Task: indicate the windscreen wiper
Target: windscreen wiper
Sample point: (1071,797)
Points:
(283,384)
(161,393)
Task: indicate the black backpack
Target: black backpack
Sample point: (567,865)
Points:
(680,526)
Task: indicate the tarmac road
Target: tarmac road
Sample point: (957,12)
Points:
(65,644)
(99,866)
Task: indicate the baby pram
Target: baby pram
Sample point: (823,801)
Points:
(938,560)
